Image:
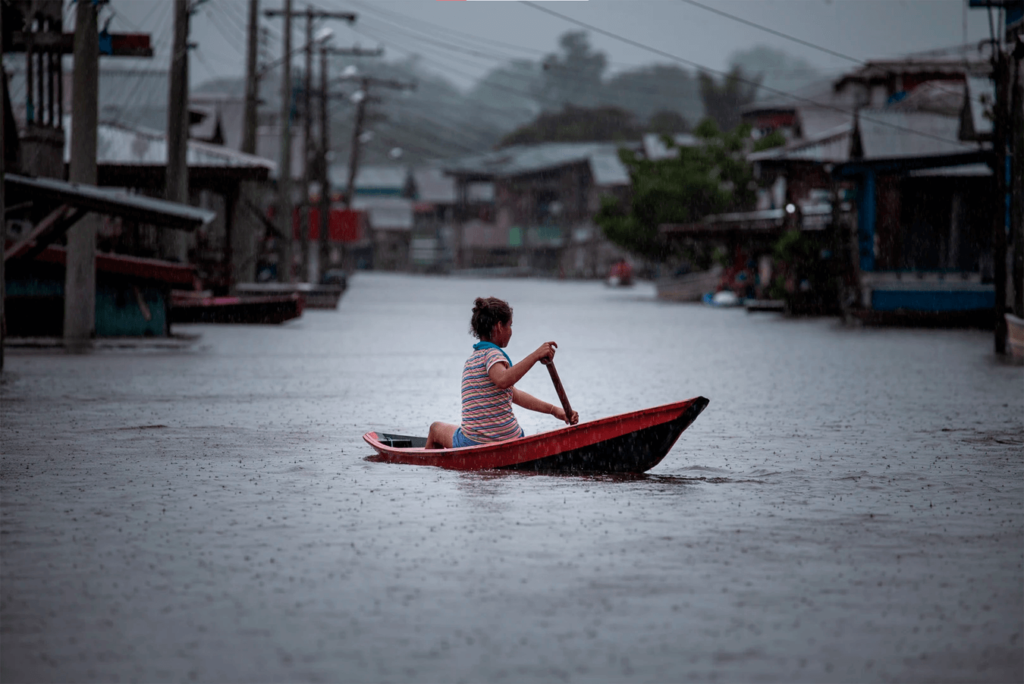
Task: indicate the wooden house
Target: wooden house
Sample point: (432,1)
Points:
(541,216)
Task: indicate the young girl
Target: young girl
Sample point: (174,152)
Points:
(488,383)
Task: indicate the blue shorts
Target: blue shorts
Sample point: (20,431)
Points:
(460,440)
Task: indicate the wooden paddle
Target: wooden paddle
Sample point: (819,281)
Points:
(558,388)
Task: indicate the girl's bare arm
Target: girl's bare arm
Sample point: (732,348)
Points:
(528,401)
(505,377)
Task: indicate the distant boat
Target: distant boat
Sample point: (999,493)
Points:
(200,307)
(690,287)
(627,443)
(316,296)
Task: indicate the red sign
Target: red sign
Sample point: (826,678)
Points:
(345,225)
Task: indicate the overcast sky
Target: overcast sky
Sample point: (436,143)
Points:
(465,39)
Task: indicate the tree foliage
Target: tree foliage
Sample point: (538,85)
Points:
(777,70)
(576,124)
(723,100)
(573,75)
(648,90)
(667,122)
(708,178)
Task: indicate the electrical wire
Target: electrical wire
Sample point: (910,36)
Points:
(773,32)
(697,65)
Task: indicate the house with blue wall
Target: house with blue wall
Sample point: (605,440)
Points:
(910,145)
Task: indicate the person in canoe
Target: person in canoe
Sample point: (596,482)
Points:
(488,384)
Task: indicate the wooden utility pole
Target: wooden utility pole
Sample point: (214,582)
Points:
(323,244)
(176,189)
(284,167)
(307,147)
(244,242)
(80,272)
(3,220)
(1017,183)
(252,82)
(357,130)
(362,97)
(325,126)
(1000,65)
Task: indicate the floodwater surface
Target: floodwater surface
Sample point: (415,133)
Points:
(849,507)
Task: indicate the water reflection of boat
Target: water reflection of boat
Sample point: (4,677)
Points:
(200,307)
(627,443)
(690,287)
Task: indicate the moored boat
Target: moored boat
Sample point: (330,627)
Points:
(627,443)
(187,307)
(690,287)
(316,296)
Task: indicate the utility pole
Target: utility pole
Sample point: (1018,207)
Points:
(251,81)
(307,146)
(323,243)
(284,179)
(80,272)
(244,241)
(325,126)
(362,98)
(284,166)
(1000,65)
(176,189)
(1017,187)
(3,220)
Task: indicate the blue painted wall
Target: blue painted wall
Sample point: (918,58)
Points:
(932,301)
(866,220)
(117,308)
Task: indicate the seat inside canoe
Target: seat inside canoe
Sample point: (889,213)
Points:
(402,441)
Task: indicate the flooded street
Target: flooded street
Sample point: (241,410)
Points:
(849,507)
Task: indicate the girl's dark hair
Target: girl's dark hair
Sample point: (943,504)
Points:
(488,312)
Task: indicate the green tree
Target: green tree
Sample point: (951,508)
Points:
(572,76)
(654,88)
(723,100)
(576,124)
(705,179)
(778,70)
(667,122)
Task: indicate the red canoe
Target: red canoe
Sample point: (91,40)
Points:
(628,443)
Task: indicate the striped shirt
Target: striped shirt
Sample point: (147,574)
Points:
(486,409)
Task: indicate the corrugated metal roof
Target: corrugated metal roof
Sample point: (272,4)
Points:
(882,69)
(123,146)
(608,169)
(387,178)
(525,159)
(433,186)
(816,121)
(894,134)
(832,146)
(386,213)
(107,201)
(655,147)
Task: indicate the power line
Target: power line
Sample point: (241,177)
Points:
(698,65)
(780,34)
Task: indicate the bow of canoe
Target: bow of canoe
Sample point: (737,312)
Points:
(627,443)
